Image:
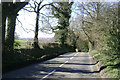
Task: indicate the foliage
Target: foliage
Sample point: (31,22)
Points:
(82,45)
(112,72)
(60,36)
(25,57)
(96,29)
(17,44)
(63,12)
(103,29)
(94,52)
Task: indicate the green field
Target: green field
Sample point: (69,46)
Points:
(25,44)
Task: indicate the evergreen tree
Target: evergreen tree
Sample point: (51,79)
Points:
(62,11)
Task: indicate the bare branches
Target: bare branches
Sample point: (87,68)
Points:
(88,22)
(23,27)
(31,7)
(45,5)
(47,21)
(47,15)
(57,9)
(88,11)
(37,7)
(28,10)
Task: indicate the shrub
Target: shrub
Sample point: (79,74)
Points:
(94,52)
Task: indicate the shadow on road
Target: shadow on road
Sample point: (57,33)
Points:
(43,69)
(71,63)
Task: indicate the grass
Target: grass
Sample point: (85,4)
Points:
(112,70)
(24,56)
(21,41)
(25,44)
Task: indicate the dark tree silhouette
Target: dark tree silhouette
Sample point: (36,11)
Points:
(10,12)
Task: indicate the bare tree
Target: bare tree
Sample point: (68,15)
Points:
(36,9)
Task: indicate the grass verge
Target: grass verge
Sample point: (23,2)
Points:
(24,57)
(112,63)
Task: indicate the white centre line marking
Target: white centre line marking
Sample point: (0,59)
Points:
(63,64)
(53,70)
(75,54)
(49,74)
(59,66)
(66,61)
(71,57)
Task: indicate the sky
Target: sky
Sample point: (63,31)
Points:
(25,23)
(26,29)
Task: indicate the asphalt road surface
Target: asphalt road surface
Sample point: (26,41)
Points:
(69,65)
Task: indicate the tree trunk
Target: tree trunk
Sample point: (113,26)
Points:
(11,22)
(35,44)
(4,16)
(119,22)
(11,9)
(3,31)
(98,10)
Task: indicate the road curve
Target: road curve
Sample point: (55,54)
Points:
(69,65)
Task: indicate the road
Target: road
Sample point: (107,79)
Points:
(69,65)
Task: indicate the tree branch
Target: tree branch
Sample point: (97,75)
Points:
(28,10)
(44,6)
(22,26)
(88,12)
(19,5)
